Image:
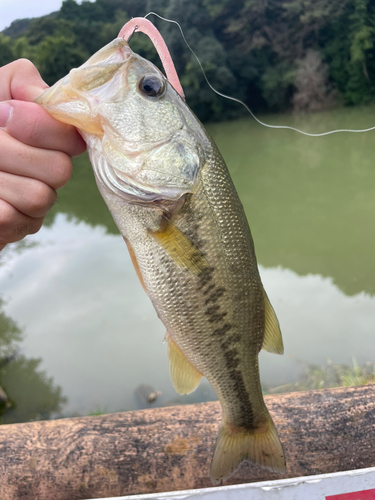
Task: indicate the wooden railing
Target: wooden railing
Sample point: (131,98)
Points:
(170,448)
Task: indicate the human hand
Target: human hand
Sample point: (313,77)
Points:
(35,153)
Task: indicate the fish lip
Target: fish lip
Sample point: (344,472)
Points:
(45,98)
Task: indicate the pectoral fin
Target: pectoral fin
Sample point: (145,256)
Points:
(185,377)
(179,247)
(272,341)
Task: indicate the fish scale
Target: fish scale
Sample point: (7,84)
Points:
(173,200)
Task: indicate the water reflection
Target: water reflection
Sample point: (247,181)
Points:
(26,392)
(89,328)
(87,317)
(318,321)
(310,201)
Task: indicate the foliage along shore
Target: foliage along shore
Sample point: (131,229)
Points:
(273,54)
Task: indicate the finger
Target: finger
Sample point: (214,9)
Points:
(31,124)
(21,80)
(14,226)
(29,196)
(50,167)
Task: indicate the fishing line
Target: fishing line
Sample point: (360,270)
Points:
(243,104)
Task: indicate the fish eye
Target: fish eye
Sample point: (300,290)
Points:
(151,85)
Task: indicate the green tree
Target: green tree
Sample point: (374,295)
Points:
(348,42)
(109,31)
(207,104)
(55,56)
(362,37)
(250,49)
(6,51)
(361,66)
(21,48)
(277,87)
(17,28)
(33,394)
(45,26)
(70,10)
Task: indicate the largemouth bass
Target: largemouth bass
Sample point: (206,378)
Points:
(171,196)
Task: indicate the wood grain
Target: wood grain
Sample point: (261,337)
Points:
(170,448)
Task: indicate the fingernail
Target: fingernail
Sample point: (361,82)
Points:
(6,111)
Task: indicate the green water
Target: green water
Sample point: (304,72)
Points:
(310,201)
(77,332)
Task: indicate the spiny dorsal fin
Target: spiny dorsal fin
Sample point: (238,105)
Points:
(185,377)
(179,247)
(272,341)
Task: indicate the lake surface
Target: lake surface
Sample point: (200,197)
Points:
(79,334)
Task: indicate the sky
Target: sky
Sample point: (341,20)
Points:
(11,10)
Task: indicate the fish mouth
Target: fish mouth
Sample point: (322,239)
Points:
(126,163)
(75,98)
(54,95)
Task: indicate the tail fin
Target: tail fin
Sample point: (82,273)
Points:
(234,445)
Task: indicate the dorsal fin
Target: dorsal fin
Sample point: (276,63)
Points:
(185,377)
(272,341)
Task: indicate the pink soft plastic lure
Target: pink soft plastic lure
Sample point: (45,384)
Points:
(145,26)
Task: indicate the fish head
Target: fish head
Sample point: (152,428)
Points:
(144,142)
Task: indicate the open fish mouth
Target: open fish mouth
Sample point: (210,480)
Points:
(140,139)
(75,99)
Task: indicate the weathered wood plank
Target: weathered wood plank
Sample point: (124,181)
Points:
(170,448)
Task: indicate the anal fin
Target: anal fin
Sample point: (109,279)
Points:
(273,341)
(185,377)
